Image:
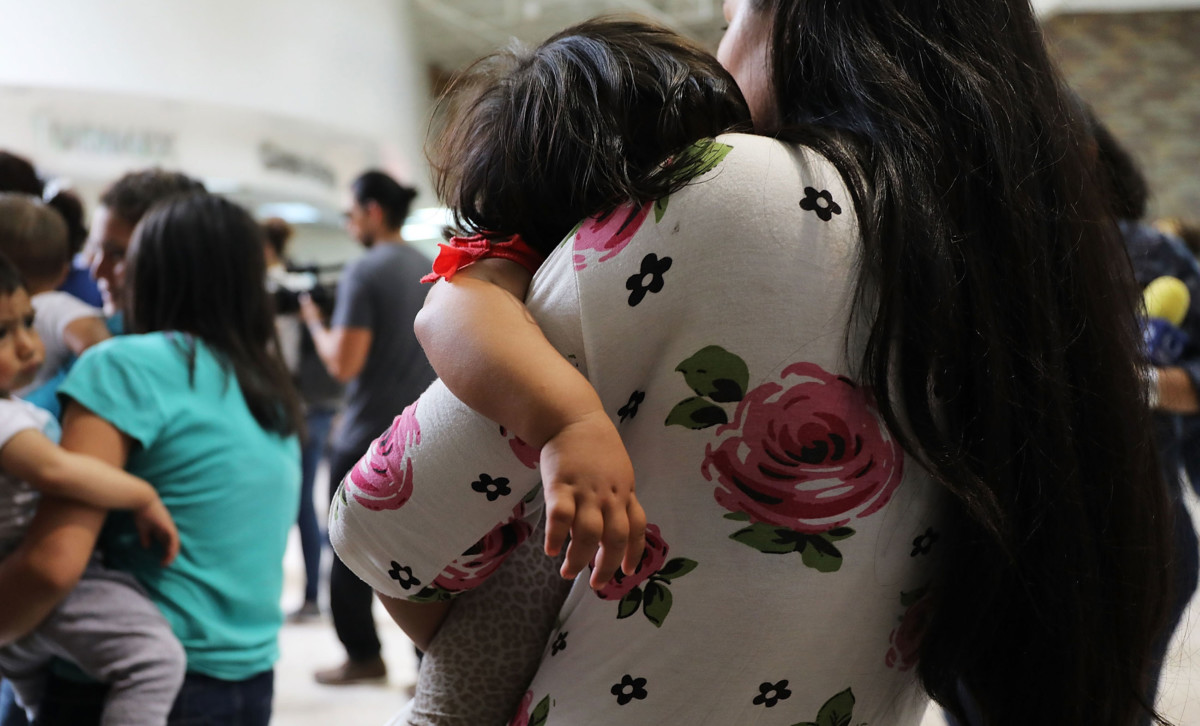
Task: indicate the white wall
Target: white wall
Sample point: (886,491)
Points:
(346,64)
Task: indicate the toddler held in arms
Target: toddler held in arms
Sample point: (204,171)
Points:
(106,625)
(600,120)
(575,137)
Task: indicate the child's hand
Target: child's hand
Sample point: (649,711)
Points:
(589,485)
(154,522)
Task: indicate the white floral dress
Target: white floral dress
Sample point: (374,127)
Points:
(790,539)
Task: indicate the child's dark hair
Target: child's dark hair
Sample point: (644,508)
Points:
(536,140)
(10,277)
(33,237)
(196,266)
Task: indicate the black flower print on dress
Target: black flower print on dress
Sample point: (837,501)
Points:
(820,202)
(560,643)
(650,279)
(493,488)
(403,575)
(770,694)
(628,689)
(630,409)
(923,543)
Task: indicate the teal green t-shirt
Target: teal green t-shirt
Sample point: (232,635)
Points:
(232,488)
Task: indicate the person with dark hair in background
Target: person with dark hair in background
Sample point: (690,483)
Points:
(321,396)
(17,174)
(195,400)
(369,344)
(122,206)
(886,410)
(35,238)
(1174,380)
(79,281)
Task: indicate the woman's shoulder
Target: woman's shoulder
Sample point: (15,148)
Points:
(141,349)
(760,167)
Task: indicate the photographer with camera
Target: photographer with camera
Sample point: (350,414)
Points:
(322,396)
(369,345)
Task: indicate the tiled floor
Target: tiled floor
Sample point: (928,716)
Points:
(301,702)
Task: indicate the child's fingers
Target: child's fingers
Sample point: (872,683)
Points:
(560,514)
(170,547)
(612,546)
(585,538)
(637,537)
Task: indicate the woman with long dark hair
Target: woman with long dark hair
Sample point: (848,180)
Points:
(196,401)
(878,377)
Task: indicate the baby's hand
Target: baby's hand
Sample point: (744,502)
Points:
(154,522)
(588,482)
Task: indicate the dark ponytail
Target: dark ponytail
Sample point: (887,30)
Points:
(1003,344)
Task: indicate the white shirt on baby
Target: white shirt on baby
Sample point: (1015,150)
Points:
(18,500)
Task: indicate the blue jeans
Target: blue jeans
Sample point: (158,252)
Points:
(312,536)
(203,701)
(10,713)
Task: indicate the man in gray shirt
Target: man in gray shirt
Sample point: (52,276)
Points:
(370,345)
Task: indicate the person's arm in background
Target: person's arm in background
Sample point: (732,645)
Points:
(82,333)
(492,355)
(1177,385)
(1177,389)
(56,549)
(343,345)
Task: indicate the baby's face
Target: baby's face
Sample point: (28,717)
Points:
(21,351)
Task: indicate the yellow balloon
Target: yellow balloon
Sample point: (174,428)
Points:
(1167,298)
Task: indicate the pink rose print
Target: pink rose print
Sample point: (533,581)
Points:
(522,717)
(648,589)
(653,558)
(807,452)
(383,478)
(602,238)
(537,717)
(906,639)
(525,453)
(481,560)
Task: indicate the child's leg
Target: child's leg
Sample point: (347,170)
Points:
(481,662)
(114,633)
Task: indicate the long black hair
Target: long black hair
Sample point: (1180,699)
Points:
(1003,347)
(533,141)
(196,266)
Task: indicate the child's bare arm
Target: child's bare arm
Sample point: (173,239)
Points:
(56,472)
(82,333)
(492,355)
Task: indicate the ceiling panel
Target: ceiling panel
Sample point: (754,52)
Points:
(451,33)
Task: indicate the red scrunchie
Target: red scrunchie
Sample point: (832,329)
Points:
(463,251)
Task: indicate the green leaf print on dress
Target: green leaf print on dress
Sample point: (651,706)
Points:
(538,717)
(697,160)
(804,454)
(717,376)
(837,711)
